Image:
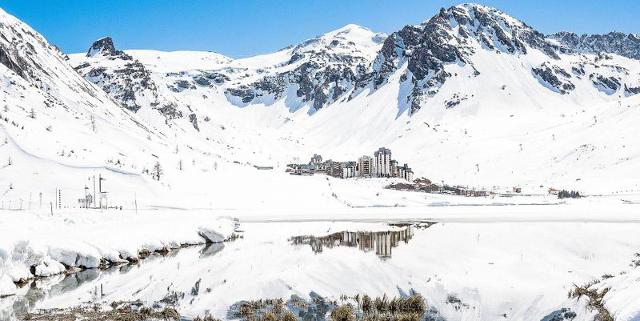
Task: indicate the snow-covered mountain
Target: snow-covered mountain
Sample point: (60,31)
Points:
(48,106)
(339,65)
(470,96)
(317,72)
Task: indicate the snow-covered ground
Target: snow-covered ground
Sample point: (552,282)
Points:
(40,245)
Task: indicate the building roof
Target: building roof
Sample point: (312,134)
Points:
(382,150)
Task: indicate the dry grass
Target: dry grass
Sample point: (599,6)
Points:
(265,310)
(595,299)
(412,308)
(343,313)
(205,318)
(123,312)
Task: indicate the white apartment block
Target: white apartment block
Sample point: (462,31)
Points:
(382,162)
(364,167)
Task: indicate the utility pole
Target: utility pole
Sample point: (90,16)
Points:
(86,197)
(102,193)
(94,191)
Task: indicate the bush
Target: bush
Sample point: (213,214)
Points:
(343,313)
(568,194)
(289,316)
(381,304)
(366,304)
(206,318)
(413,304)
(269,316)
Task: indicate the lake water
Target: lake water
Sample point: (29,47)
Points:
(489,268)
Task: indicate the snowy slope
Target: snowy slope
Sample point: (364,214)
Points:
(510,107)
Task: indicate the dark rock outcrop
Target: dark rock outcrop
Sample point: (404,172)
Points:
(554,77)
(103,46)
(324,70)
(608,85)
(429,47)
(626,45)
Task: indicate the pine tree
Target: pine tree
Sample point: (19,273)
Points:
(93,123)
(32,114)
(157,171)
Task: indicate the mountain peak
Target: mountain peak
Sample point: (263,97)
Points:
(472,5)
(103,46)
(474,11)
(355,33)
(350,28)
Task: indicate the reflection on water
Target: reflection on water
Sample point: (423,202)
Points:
(211,249)
(380,242)
(38,289)
(14,307)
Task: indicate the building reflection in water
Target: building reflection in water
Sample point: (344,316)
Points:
(380,242)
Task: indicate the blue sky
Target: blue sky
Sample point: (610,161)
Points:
(238,28)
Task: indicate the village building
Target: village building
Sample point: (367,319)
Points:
(300,169)
(405,172)
(364,166)
(382,163)
(334,168)
(323,167)
(394,168)
(316,159)
(348,169)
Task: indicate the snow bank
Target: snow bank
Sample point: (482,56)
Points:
(6,286)
(42,245)
(216,233)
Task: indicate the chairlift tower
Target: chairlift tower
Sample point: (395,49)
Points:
(86,197)
(103,194)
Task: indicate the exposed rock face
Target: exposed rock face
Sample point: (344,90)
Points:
(124,83)
(626,45)
(26,53)
(320,70)
(448,38)
(605,84)
(631,90)
(10,62)
(554,78)
(194,79)
(18,53)
(342,64)
(194,121)
(124,79)
(103,46)
(209,79)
